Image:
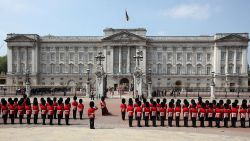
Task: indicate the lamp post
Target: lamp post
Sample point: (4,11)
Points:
(150,83)
(27,82)
(238,93)
(212,96)
(138,74)
(99,75)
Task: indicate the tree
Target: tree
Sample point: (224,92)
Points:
(3,64)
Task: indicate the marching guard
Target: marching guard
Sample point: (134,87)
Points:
(123,107)
(91,114)
(80,108)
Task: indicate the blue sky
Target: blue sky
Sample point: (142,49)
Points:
(90,17)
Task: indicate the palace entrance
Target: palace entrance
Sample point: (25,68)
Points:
(124,82)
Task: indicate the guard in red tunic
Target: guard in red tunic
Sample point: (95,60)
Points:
(123,108)
(28,110)
(59,110)
(154,114)
(135,106)
(177,113)
(147,113)
(226,114)
(15,105)
(20,108)
(74,106)
(166,106)
(55,106)
(138,114)
(194,112)
(80,108)
(12,111)
(43,110)
(50,112)
(91,114)
(4,110)
(35,109)
(67,111)
(158,107)
(162,114)
(202,114)
(170,113)
(186,113)
(234,114)
(243,113)
(143,106)
(130,111)
(210,113)
(104,108)
(218,114)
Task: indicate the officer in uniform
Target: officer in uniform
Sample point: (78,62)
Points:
(234,114)
(43,110)
(177,113)
(158,107)
(4,110)
(80,108)
(185,113)
(147,113)
(91,114)
(218,115)
(243,112)
(59,110)
(55,106)
(12,111)
(28,110)
(226,115)
(74,105)
(202,114)
(50,112)
(170,113)
(162,114)
(138,113)
(154,114)
(123,108)
(194,112)
(35,109)
(67,111)
(20,111)
(130,111)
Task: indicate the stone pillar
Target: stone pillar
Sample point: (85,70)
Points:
(149,89)
(111,60)
(144,68)
(26,58)
(212,96)
(18,60)
(217,60)
(9,59)
(226,61)
(87,89)
(244,60)
(234,62)
(128,61)
(120,59)
(105,60)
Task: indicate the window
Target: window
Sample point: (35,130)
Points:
(62,56)
(52,56)
(238,69)
(189,69)
(169,67)
(169,56)
(178,71)
(159,68)
(199,69)
(14,68)
(22,68)
(159,55)
(223,55)
(71,68)
(62,68)
(230,69)
(43,68)
(52,68)
(199,55)
(179,56)
(81,56)
(209,57)
(208,69)
(43,57)
(230,55)
(238,56)
(22,55)
(71,56)
(189,56)
(222,70)
(29,56)
(90,56)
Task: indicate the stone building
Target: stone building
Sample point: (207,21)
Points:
(175,61)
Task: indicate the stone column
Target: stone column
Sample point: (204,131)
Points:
(235,62)
(244,61)
(26,58)
(226,61)
(120,59)
(144,59)
(105,60)
(111,63)
(149,89)
(217,60)
(18,60)
(9,59)
(128,61)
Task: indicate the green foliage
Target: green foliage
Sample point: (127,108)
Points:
(3,64)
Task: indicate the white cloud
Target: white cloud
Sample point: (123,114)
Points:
(190,11)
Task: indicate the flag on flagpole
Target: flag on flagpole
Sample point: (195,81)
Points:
(127,17)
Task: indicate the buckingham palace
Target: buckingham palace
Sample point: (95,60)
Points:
(170,61)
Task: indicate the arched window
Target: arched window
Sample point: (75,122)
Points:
(169,68)
(199,69)
(71,68)
(62,68)
(189,69)
(209,69)
(159,68)
(178,69)
(230,68)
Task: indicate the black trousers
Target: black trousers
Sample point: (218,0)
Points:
(210,121)
(74,113)
(234,120)
(170,119)
(185,121)
(163,120)
(177,121)
(35,118)
(146,118)
(21,119)
(226,122)
(193,121)
(217,121)
(92,97)
(153,118)
(123,115)
(130,121)
(28,119)
(5,117)
(51,119)
(44,118)
(138,121)
(202,119)
(80,113)
(92,123)
(55,112)
(67,119)
(59,117)
(12,118)
(158,115)
(243,122)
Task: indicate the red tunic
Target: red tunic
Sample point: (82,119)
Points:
(218,113)
(80,107)
(35,109)
(67,109)
(20,109)
(50,110)
(202,112)
(226,113)
(91,112)
(55,105)
(185,111)
(153,111)
(103,104)
(243,113)
(123,107)
(12,109)
(59,109)
(158,106)
(194,112)
(28,110)
(178,111)
(74,105)
(43,109)
(234,112)
(4,109)
(138,111)
(147,111)
(130,110)
(170,112)
(162,112)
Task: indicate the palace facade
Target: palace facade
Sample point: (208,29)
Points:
(175,61)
